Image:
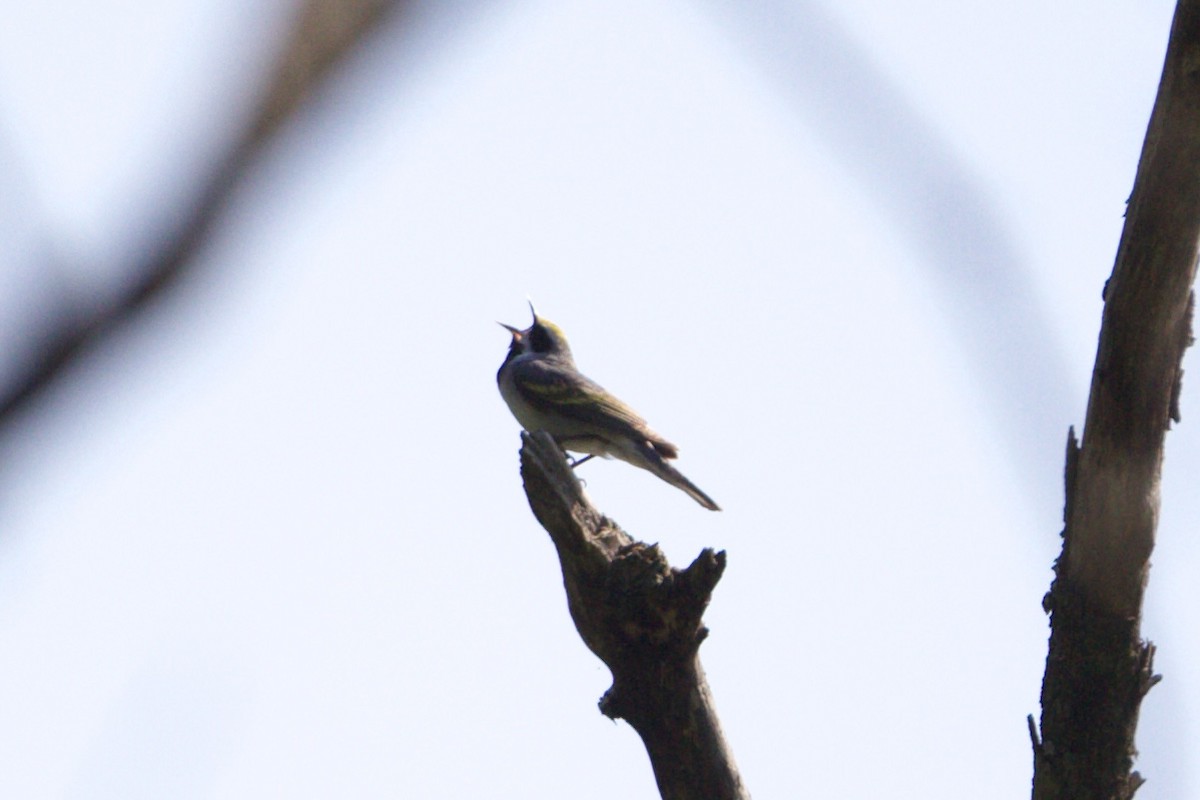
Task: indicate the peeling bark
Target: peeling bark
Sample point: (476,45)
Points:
(1098,668)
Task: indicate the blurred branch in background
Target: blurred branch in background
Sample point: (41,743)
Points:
(322,34)
(933,196)
(878,136)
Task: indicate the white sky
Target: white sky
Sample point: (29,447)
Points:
(271,540)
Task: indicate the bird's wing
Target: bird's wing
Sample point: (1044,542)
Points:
(558,389)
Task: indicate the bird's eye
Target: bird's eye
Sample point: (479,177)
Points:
(540,339)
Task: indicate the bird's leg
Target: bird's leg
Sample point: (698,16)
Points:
(575,462)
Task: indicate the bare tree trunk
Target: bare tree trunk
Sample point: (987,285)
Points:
(642,618)
(1098,668)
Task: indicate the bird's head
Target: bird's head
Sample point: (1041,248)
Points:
(542,337)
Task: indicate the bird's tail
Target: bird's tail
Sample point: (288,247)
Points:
(644,455)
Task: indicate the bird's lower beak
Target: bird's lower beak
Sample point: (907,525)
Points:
(516,332)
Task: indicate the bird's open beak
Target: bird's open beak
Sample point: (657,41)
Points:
(516,332)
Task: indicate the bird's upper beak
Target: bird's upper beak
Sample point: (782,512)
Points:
(517,333)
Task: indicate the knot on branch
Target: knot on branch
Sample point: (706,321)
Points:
(657,606)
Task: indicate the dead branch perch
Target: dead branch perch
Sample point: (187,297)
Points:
(642,618)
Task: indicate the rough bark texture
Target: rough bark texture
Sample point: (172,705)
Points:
(1098,668)
(642,618)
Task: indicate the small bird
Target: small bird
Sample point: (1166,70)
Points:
(546,391)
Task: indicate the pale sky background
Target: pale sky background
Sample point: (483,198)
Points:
(270,541)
